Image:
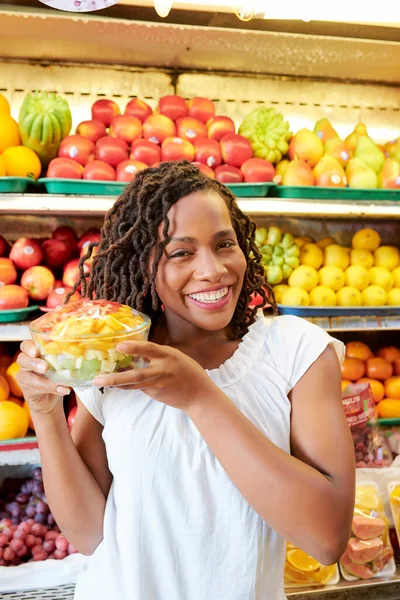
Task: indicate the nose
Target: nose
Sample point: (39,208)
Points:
(209,267)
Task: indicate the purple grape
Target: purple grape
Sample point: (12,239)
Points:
(30,511)
(40,518)
(22,498)
(42,508)
(24,489)
(29,485)
(37,488)
(51,520)
(37,474)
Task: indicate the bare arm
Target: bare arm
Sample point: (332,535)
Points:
(307,497)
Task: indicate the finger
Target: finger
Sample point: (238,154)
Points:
(144,349)
(32,364)
(38,384)
(131,377)
(29,348)
(143,385)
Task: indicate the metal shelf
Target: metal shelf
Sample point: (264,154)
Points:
(14,332)
(47,204)
(373,589)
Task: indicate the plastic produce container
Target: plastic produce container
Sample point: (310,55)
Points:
(79,340)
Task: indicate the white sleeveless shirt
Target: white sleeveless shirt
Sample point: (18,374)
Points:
(175,526)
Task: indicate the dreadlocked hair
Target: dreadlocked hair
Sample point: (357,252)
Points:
(120,268)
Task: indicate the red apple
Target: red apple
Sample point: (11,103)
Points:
(98,170)
(13,297)
(190,129)
(173,107)
(56,253)
(8,272)
(4,246)
(201,108)
(57,284)
(71,417)
(205,170)
(38,282)
(71,273)
(236,149)
(67,235)
(126,127)
(128,169)
(26,253)
(256,170)
(175,148)
(145,151)
(88,261)
(58,295)
(64,168)
(77,147)
(92,130)
(105,110)
(158,128)
(208,152)
(228,174)
(93,235)
(219,127)
(111,150)
(138,108)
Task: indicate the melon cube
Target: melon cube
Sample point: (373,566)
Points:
(53,361)
(108,366)
(96,354)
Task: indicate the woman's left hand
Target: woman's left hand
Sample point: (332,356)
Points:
(171,377)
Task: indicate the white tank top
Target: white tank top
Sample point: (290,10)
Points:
(175,526)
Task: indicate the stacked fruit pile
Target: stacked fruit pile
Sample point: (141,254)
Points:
(328,274)
(28,531)
(45,269)
(381,370)
(301,569)
(15,419)
(114,146)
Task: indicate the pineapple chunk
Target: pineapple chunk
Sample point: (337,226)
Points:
(51,348)
(107,366)
(112,322)
(98,345)
(74,350)
(83,328)
(106,330)
(98,354)
(66,374)
(114,355)
(79,362)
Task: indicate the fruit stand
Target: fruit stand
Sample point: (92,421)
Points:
(308,77)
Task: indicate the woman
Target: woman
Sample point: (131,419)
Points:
(185,478)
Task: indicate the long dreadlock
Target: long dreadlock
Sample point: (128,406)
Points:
(119,270)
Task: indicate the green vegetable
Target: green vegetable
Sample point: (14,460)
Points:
(267,132)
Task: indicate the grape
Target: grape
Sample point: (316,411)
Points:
(8,554)
(16,544)
(1,552)
(37,488)
(2,562)
(42,508)
(40,556)
(29,485)
(23,551)
(71,549)
(30,510)
(5,523)
(8,532)
(49,546)
(30,541)
(30,522)
(36,549)
(51,535)
(24,489)
(62,543)
(60,554)
(37,474)
(20,534)
(22,498)
(40,518)
(50,520)
(39,530)
(4,539)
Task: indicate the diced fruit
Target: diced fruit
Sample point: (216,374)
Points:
(107,366)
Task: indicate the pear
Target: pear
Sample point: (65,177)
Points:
(396,152)
(305,145)
(351,140)
(389,176)
(359,175)
(324,130)
(339,150)
(297,173)
(390,147)
(328,172)
(280,169)
(369,152)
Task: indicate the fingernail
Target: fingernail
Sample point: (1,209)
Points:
(64,391)
(32,352)
(122,348)
(99,381)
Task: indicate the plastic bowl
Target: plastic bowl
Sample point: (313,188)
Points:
(79,340)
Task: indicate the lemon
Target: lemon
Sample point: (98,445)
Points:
(396,277)
(387,257)
(332,277)
(349,296)
(322,296)
(279,290)
(336,256)
(295,296)
(21,161)
(302,561)
(362,258)
(393,297)
(357,277)
(366,239)
(304,277)
(303,239)
(382,277)
(374,295)
(326,241)
(312,256)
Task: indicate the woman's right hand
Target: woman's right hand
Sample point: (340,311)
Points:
(41,394)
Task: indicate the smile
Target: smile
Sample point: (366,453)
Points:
(210,297)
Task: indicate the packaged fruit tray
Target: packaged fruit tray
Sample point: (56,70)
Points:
(338,311)
(17,314)
(251,190)
(332,193)
(15,185)
(82,187)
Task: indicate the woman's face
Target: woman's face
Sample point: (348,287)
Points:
(201,272)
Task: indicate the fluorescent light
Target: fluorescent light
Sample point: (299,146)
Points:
(163,7)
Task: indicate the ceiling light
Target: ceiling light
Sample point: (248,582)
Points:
(163,7)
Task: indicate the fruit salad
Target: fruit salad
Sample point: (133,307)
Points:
(79,340)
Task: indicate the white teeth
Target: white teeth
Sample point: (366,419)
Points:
(210,297)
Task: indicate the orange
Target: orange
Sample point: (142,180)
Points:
(396,366)
(9,132)
(378,368)
(388,408)
(302,561)
(4,389)
(22,162)
(345,383)
(12,379)
(389,353)
(392,387)
(4,105)
(2,166)
(353,369)
(26,409)
(377,389)
(16,400)
(358,350)
(13,421)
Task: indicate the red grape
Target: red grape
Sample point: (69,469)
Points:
(40,556)
(71,549)
(49,546)
(8,554)
(62,543)
(36,549)
(23,551)
(59,554)
(38,529)
(4,539)
(16,544)
(51,535)
(30,541)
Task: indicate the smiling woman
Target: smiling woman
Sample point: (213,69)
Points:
(184,479)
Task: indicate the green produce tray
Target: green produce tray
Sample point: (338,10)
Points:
(338,311)
(393,422)
(18,314)
(331,193)
(15,185)
(251,190)
(82,187)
